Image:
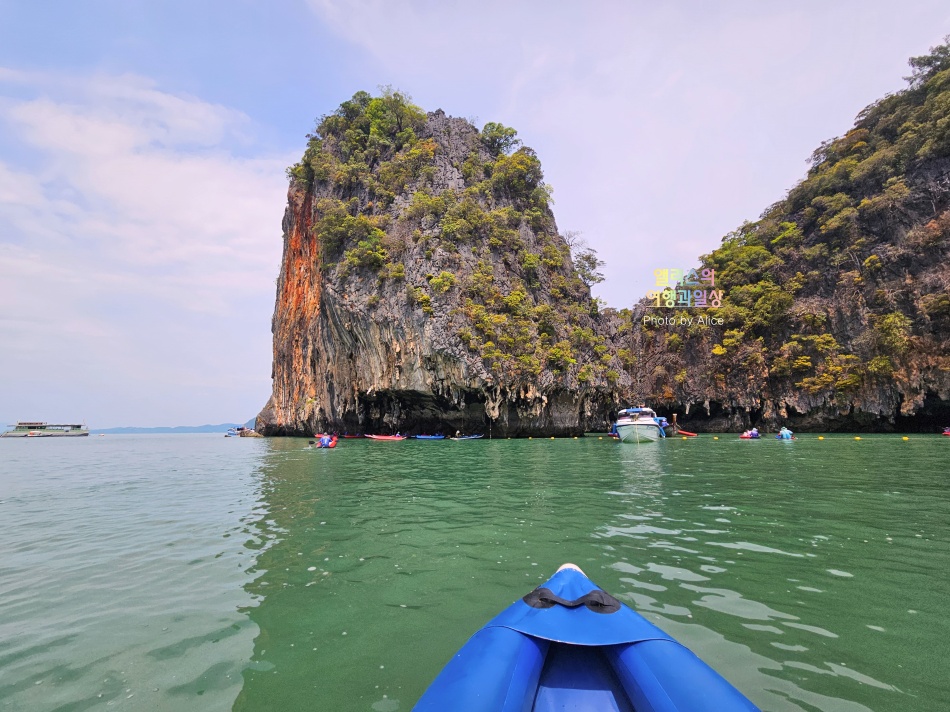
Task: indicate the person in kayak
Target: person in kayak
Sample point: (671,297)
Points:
(325,441)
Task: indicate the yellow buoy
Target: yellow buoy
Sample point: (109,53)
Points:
(575,437)
(600,437)
(530,437)
(905,438)
(684,437)
(715,437)
(857,437)
(821,437)
(552,437)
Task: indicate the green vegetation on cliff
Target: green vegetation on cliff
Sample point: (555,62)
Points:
(459,222)
(424,272)
(841,287)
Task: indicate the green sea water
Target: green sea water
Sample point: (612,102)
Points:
(196,572)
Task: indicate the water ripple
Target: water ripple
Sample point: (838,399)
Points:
(206,574)
(114,557)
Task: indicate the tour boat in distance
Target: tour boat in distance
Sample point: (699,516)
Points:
(37,429)
(641,424)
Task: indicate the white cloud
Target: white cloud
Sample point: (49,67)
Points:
(138,245)
(14,76)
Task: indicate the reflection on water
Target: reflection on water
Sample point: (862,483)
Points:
(807,576)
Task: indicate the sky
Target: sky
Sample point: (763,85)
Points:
(143,148)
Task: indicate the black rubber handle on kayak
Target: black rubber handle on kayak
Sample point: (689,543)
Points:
(597,600)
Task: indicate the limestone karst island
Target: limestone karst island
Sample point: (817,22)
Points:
(425,287)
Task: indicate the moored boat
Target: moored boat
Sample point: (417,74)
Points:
(386,437)
(672,429)
(568,645)
(467,437)
(635,425)
(38,429)
(429,437)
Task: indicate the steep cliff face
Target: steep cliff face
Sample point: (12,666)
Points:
(836,307)
(424,286)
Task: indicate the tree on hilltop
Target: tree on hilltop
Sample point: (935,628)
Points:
(499,139)
(930,64)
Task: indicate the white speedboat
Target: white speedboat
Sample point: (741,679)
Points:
(635,425)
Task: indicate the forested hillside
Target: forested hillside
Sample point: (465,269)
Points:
(836,304)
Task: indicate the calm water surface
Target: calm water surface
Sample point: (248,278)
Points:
(192,572)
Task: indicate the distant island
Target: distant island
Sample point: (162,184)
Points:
(177,429)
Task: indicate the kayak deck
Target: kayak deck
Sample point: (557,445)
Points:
(570,647)
(579,678)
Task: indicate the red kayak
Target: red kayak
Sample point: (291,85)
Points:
(686,433)
(386,437)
